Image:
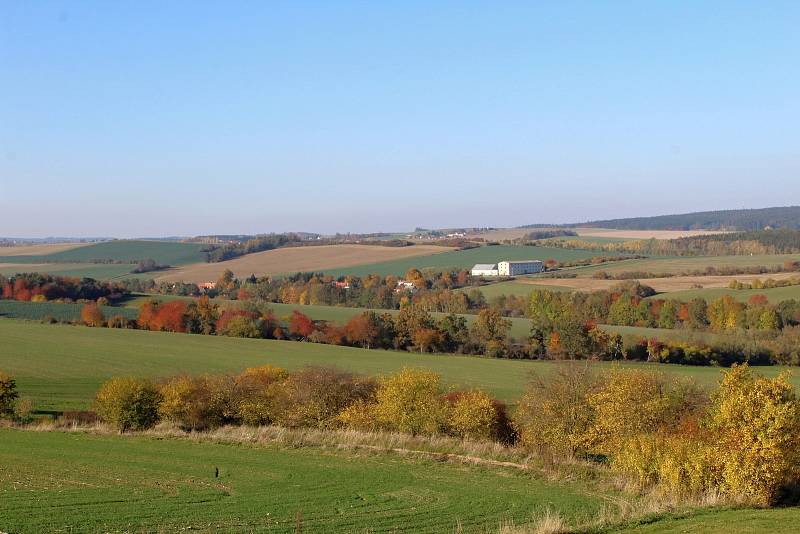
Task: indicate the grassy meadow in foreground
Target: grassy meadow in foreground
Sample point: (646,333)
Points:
(61,367)
(75,482)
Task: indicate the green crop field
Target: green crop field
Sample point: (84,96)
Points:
(775,295)
(98,271)
(163,252)
(61,367)
(38,311)
(725,521)
(464,259)
(78,482)
(74,482)
(517,289)
(677,265)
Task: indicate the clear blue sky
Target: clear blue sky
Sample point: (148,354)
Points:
(174,118)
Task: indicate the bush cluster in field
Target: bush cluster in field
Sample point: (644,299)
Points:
(410,401)
(742,441)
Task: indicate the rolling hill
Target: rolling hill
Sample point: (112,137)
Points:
(741,219)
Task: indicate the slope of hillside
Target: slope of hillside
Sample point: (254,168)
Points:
(743,219)
(123,251)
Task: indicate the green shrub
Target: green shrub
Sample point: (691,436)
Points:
(128,403)
(8,394)
(555,414)
(756,422)
(474,415)
(411,401)
(315,396)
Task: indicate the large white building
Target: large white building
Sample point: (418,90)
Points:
(485,269)
(516,268)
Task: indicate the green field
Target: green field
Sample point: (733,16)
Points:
(77,482)
(61,367)
(682,264)
(163,252)
(98,271)
(38,311)
(775,295)
(517,289)
(710,521)
(74,482)
(464,259)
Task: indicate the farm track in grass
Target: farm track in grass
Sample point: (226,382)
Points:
(290,260)
(84,482)
(61,367)
(465,259)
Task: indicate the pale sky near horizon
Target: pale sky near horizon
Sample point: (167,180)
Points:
(181,118)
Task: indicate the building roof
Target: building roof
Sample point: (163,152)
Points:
(524,261)
(484,267)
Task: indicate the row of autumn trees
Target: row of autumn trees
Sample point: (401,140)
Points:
(742,441)
(564,324)
(44,287)
(413,328)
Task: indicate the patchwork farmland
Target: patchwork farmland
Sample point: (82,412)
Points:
(303,259)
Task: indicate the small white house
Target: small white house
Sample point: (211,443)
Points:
(516,268)
(485,269)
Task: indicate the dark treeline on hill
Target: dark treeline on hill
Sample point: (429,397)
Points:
(780,241)
(548,234)
(743,219)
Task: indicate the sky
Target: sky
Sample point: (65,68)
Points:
(133,119)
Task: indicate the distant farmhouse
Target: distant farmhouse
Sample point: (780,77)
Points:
(508,268)
(485,269)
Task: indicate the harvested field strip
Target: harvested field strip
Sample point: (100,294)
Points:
(642,234)
(39,250)
(298,259)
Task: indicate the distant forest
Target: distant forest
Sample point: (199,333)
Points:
(745,220)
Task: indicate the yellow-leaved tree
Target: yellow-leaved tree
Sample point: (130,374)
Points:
(756,421)
(411,401)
